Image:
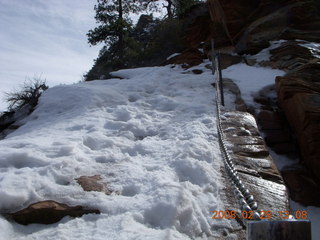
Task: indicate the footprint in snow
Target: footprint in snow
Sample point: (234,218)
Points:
(122,115)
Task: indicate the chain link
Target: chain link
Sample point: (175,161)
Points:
(244,197)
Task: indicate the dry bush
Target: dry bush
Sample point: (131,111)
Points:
(28,95)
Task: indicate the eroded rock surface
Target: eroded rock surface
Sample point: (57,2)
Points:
(48,212)
(93,183)
(299,97)
(302,187)
(253,162)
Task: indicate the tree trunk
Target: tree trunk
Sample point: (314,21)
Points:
(121,33)
(169,9)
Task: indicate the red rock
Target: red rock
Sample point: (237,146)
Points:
(288,86)
(269,120)
(48,212)
(227,60)
(189,58)
(284,148)
(93,183)
(302,188)
(290,55)
(197,71)
(274,137)
(302,110)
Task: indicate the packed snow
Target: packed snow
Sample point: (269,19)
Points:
(251,79)
(264,55)
(151,136)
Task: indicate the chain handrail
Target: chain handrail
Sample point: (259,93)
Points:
(245,198)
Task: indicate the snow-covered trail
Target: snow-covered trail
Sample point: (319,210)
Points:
(151,136)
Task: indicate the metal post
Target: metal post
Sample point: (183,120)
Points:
(220,80)
(279,230)
(212,57)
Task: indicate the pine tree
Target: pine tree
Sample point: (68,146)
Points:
(112,15)
(184,5)
(157,4)
(173,7)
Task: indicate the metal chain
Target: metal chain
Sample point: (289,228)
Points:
(245,198)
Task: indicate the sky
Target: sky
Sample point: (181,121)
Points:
(46,39)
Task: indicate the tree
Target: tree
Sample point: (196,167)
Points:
(184,5)
(112,15)
(126,45)
(154,5)
(173,7)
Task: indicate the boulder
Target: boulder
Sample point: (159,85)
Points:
(290,85)
(227,60)
(312,36)
(289,50)
(303,110)
(48,212)
(238,104)
(287,148)
(197,71)
(304,22)
(6,119)
(202,27)
(290,56)
(258,34)
(188,58)
(309,73)
(269,120)
(299,96)
(276,136)
(279,20)
(303,113)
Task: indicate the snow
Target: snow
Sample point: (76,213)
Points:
(264,55)
(251,79)
(173,55)
(312,46)
(151,136)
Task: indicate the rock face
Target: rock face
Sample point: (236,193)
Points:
(6,119)
(302,188)
(291,124)
(188,58)
(239,104)
(8,122)
(249,25)
(280,20)
(227,60)
(253,163)
(48,212)
(276,134)
(291,55)
(299,96)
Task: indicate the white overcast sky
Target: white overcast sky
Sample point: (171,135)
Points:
(47,38)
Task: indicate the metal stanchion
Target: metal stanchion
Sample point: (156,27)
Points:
(213,57)
(220,79)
